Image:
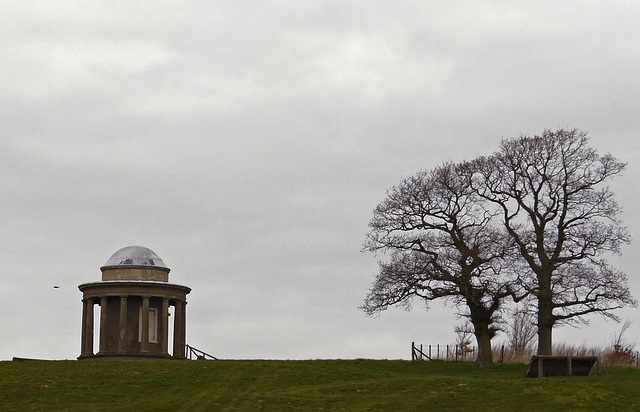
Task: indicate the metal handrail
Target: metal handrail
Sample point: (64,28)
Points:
(199,354)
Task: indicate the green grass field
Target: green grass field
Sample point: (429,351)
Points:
(350,385)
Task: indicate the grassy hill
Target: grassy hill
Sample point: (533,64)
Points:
(352,385)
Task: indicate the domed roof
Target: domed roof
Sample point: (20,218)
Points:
(132,256)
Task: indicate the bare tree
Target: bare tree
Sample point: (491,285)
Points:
(550,192)
(521,330)
(442,244)
(464,337)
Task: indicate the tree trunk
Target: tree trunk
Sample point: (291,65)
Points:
(545,326)
(481,319)
(485,355)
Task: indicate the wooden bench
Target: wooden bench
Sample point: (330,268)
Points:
(542,365)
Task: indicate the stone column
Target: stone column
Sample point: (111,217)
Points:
(88,331)
(164,338)
(144,339)
(123,325)
(179,330)
(87,328)
(103,325)
(84,328)
(184,324)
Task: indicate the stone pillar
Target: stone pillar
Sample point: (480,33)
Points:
(179,330)
(144,339)
(83,345)
(123,325)
(87,328)
(184,325)
(88,336)
(103,325)
(164,338)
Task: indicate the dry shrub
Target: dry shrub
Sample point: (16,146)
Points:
(513,355)
(621,352)
(621,355)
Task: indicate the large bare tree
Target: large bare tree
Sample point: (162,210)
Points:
(551,192)
(442,244)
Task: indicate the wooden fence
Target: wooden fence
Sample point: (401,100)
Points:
(448,352)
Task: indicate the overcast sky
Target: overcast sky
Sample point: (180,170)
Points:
(247,144)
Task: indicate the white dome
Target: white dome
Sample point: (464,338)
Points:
(131,256)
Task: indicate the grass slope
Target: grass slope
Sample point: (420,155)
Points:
(353,385)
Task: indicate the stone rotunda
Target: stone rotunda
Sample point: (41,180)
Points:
(134,298)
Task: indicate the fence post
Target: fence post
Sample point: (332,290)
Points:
(421,352)
(502,354)
(456,353)
(429,351)
(413,351)
(447,352)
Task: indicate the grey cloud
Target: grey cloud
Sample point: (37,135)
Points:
(248,144)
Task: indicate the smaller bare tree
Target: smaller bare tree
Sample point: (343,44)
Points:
(464,338)
(521,331)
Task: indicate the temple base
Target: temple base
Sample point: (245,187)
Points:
(127,356)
